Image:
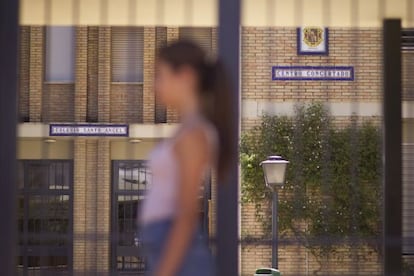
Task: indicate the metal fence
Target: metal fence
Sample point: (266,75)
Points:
(331,94)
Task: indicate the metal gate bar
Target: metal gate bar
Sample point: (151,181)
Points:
(392,148)
(228,193)
(8,122)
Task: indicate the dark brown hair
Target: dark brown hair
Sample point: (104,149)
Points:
(214,91)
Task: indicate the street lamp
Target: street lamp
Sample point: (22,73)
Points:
(274,169)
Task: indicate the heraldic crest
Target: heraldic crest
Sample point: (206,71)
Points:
(313,36)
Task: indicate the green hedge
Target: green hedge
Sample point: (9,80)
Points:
(333,186)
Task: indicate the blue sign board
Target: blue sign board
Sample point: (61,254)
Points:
(313,73)
(111,130)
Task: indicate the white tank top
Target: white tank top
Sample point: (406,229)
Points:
(161,200)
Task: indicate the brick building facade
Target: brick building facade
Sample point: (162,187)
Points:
(263,48)
(94,97)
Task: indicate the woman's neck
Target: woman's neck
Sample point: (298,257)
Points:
(189,110)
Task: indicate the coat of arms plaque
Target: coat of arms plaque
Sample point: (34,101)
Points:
(312,41)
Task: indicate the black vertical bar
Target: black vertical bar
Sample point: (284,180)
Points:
(114,215)
(228,193)
(71,172)
(392,148)
(275,230)
(8,121)
(25,219)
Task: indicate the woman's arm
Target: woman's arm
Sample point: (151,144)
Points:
(192,154)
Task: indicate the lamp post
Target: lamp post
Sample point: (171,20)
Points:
(274,169)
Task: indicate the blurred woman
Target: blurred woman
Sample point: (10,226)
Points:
(187,81)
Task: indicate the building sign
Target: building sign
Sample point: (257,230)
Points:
(313,73)
(111,130)
(313,41)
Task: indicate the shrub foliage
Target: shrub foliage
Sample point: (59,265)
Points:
(333,186)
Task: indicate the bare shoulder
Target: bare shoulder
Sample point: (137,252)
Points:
(197,140)
(193,137)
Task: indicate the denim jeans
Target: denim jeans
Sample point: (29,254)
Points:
(197,261)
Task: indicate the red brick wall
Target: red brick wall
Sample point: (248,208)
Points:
(92,106)
(58,102)
(36,72)
(148,95)
(263,48)
(104,74)
(81,76)
(126,103)
(24,64)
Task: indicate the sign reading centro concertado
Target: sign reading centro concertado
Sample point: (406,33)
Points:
(313,73)
(88,130)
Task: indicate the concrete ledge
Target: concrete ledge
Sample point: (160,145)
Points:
(252,109)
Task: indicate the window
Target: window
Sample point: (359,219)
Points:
(60,54)
(130,182)
(127,54)
(131,179)
(45,217)
(201,36)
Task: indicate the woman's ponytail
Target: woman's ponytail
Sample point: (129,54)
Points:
(220,110)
